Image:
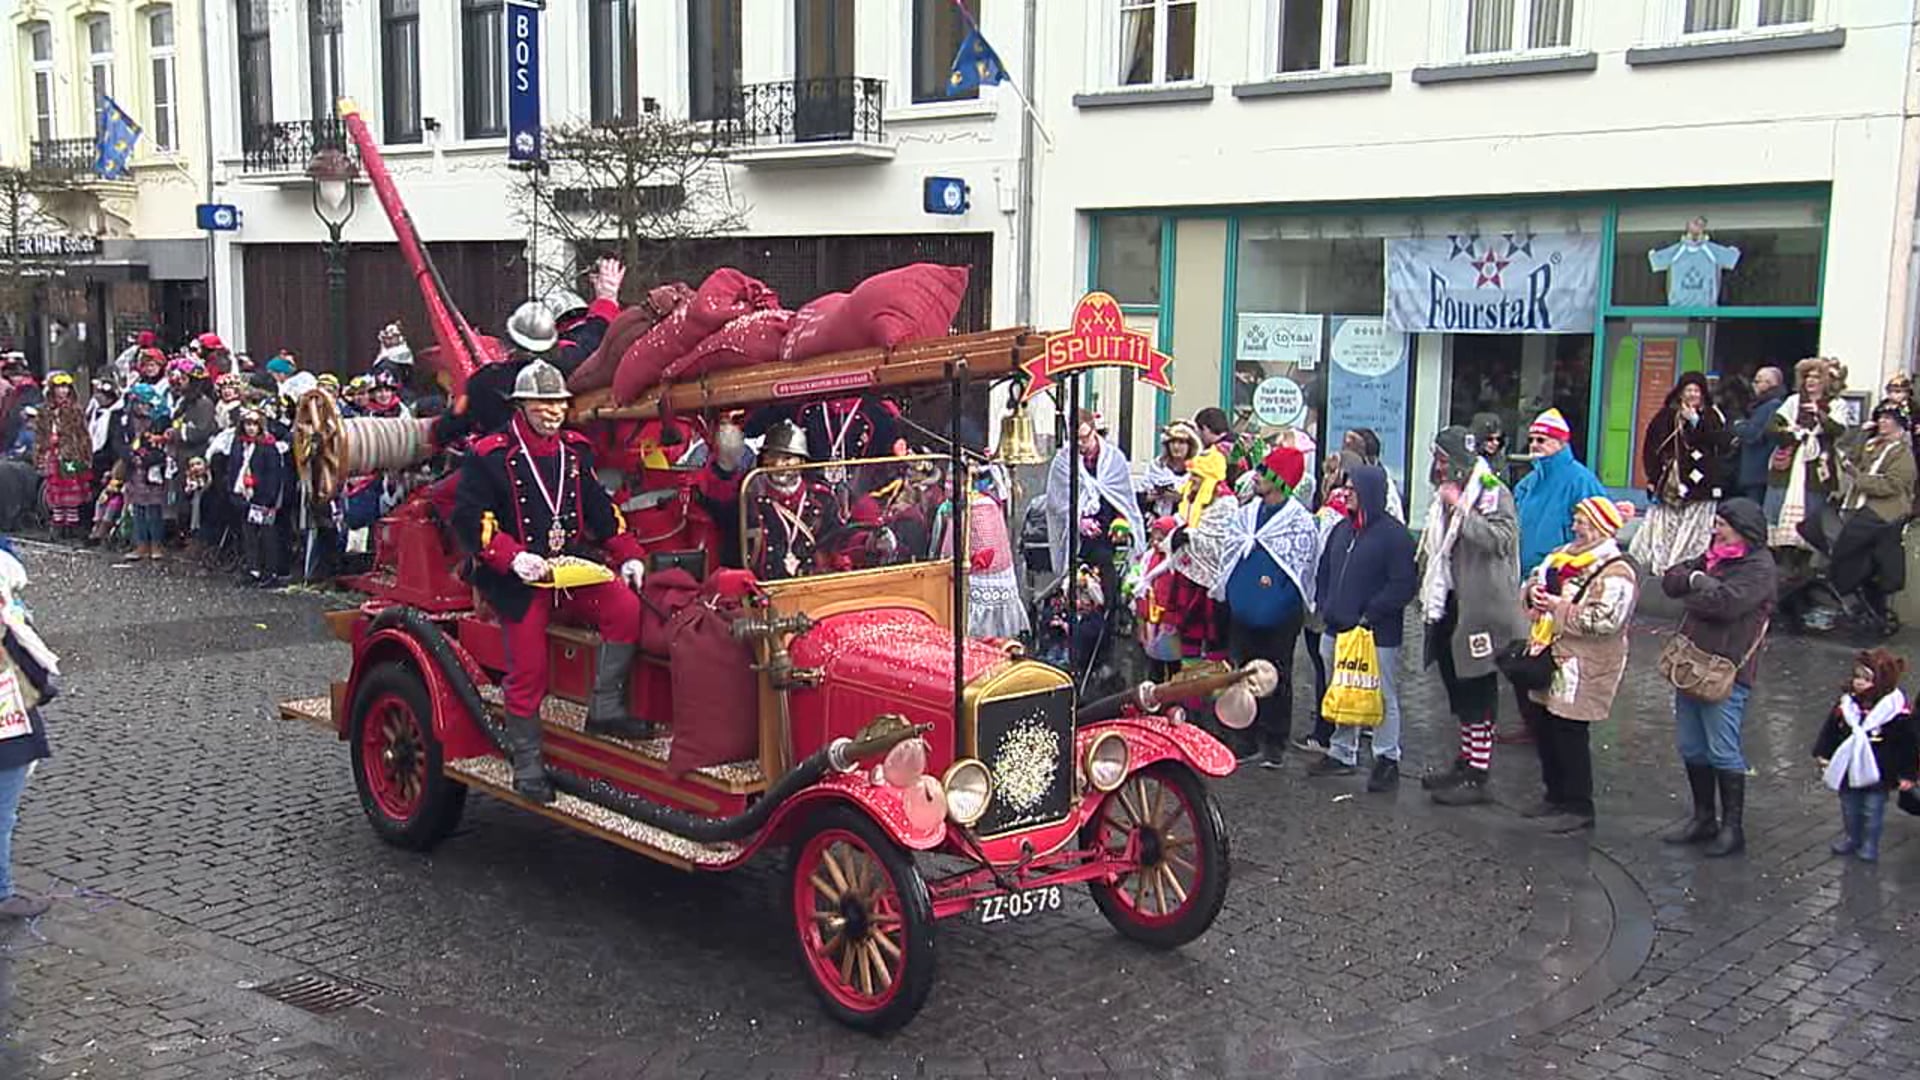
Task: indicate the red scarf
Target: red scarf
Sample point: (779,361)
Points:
(1720,553)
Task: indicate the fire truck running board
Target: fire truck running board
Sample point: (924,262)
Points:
(734,778)
(495,777)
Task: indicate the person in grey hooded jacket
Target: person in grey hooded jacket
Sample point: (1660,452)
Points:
(1470,600)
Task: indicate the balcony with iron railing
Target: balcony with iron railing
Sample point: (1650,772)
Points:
(283,150)
(829,121)
(64,157)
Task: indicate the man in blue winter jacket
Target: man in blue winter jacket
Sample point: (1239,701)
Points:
(1546,497)
(1367,578)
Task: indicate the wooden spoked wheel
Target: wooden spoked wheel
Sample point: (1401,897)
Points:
(1164,823)
(319,445)
(864,921)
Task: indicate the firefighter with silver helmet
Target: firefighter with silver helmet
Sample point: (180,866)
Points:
(527,504)
(579,326)
(793,518)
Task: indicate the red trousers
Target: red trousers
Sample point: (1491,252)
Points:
(609,607)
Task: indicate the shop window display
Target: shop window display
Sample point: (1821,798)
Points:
(1763,255)
(1515,377)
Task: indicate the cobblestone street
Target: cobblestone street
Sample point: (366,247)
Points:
(203,850)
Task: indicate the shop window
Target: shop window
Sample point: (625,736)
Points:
(1516,377)
(1736,16)
(256,71)
(938,30)
(1278,272)
(1319,35)
(1157,41)
(1498,26)
(165,90)
(1129,258)
(713,61)
(1762,255)
(483,40)
(400,69)
(40,67)
(612,92)
(1644,356)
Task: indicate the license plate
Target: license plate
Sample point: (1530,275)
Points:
(1018,905)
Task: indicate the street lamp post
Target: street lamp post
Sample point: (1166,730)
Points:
(333,173)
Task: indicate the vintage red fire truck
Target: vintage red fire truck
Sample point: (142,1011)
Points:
(1032,792)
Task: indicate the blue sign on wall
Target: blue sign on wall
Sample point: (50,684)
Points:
(946,195)
(217,217)
(523,80)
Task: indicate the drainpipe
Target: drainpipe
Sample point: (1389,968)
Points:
(206,134)
(1023,222)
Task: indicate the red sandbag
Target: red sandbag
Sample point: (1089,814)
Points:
(666,593)
(817,329)
(726,295)
(909,303)
(750,339)
(627,327)
(716,698)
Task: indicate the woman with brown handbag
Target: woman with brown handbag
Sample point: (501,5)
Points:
(1728,598)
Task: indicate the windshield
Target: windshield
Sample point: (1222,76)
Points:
(802,520)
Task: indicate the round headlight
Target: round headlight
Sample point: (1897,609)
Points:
(1107,761)
(969,790)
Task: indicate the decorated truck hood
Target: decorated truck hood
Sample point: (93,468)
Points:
(895,649)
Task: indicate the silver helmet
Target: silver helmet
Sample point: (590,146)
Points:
(786,437)
(540,381)
(531,327)
(564,302)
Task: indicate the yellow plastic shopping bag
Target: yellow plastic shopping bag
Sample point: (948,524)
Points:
(1354,697)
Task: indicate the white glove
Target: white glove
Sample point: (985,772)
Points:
(633,572)
(530,568)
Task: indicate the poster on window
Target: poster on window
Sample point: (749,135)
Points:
(1367,368)
(1506,283)
(1279,339)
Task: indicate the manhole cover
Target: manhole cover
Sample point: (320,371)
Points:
(314,992)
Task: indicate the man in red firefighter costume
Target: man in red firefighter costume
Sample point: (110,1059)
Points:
(792,517)
(527,496)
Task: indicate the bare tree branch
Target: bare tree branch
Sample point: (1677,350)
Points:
(638,191)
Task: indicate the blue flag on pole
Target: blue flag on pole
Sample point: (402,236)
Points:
(114,139)
(975,65)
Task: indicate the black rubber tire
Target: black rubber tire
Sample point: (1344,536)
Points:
(444,800)
(916,904)
(1210,839)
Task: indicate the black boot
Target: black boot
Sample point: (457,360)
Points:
(1702,826)
(1470,791)
(529,771)
(1447,777)
(607,709)
(1732,838)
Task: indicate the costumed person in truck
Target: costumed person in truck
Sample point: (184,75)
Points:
(844,429)
(582,326)
(528,498)
(64,454)
(790,514)
(994,608)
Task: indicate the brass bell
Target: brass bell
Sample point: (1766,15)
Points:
(1016,439)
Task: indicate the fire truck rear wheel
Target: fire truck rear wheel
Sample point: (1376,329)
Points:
(1165,815)
(397,761)
(863,920)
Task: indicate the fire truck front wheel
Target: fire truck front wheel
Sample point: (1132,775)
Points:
(397,761)
(1164,823)
(863,920)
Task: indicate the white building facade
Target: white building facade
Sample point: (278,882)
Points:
(836,112)
(1257,180)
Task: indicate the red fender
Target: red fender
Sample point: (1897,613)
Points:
(1156,738)
(457,729)
(881,802)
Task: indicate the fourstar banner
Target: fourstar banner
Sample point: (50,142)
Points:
(1510,283)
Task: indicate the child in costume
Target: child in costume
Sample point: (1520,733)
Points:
(63,452)
(1867,749)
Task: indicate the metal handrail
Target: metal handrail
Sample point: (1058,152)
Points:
(837,109)
(288,146)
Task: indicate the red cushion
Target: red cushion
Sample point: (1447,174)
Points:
(626,328)
(727,294)
(818,329)
(753,338)
(909,303)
